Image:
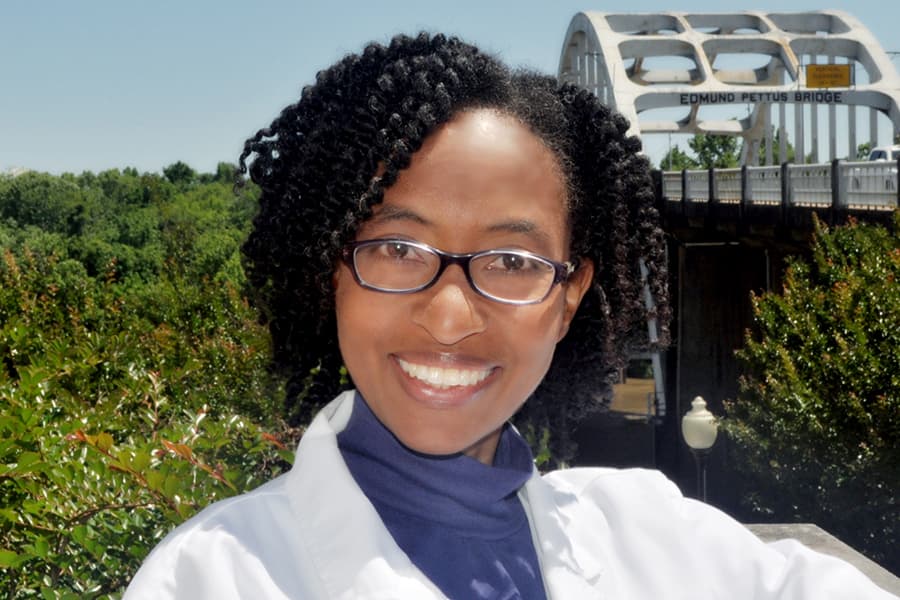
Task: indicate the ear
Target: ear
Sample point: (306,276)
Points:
(339,275)
(574,289)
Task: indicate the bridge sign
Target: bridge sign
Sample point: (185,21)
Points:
(828,76)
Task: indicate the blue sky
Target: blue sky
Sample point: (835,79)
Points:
(98,84)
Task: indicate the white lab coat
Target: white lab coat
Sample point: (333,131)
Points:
(599,533)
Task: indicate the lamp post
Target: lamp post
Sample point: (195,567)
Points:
(699,429)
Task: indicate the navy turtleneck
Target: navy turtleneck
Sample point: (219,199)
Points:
(458,520)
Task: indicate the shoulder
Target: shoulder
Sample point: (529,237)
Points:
(237,517)
(250,536)
(600,483)
(259,543)
(635,503)
(639,512)
(645,504)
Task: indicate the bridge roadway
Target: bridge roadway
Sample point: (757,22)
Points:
(745,198)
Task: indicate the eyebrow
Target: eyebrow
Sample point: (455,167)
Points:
(388,213)
(529,228)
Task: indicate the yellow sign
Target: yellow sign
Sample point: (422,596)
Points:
(828,76)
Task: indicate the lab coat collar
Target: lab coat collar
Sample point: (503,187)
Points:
(357,557)
(572,557)
(355,554)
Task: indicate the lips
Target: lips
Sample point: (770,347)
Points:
(444,378)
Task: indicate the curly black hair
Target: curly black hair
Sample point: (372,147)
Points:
(370,112)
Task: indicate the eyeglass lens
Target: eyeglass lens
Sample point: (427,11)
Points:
(399,266)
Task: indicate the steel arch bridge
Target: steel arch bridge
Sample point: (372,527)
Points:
(729,230)
(690,63)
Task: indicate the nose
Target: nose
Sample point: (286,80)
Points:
(449,310)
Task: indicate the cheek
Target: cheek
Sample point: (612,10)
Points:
(539,333)
(352,314)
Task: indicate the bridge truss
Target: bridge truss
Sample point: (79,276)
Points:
(822,64)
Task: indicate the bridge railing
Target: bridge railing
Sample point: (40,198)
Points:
(811,185)
(763,184)
(865,184)
(838,184)
(728,185)
(696,184)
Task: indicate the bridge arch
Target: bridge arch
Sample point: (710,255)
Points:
(640,63)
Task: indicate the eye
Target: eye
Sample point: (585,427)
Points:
(509,262)
(396,249)
(512,262)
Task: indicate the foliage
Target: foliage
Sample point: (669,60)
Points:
(179,173)
(709,151)
(816,424)
(677,159)
(863,150)
(776,150)
(720,152)
(134,379)
(715,151)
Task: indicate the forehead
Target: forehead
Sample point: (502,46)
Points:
(488,144)
(481,170)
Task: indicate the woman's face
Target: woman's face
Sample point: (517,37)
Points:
(479,182)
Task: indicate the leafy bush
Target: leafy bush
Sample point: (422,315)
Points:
(133,391)
(817,423)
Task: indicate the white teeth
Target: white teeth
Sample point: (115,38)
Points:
(443,378)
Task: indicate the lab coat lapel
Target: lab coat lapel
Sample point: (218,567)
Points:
(353,550)
(572,557)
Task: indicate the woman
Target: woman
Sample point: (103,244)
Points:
(462,239)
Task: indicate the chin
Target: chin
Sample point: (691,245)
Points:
(432,448)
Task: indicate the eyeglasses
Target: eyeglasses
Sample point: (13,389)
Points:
(403,267)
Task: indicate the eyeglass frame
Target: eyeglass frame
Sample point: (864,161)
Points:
(562,271)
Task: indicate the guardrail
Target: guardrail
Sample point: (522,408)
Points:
(839,184)
(820,540)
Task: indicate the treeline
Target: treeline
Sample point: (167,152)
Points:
(134,379)
(708,151)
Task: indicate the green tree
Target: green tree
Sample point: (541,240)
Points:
(816,427)
(677,159)
(776,150)
(863,150)
(180,174)
(225,172)
(135,385)
(715,151)
(51,203)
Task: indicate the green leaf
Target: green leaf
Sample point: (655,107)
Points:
(80,534)
(26,459)
(105,441)
(155,480)
(41,547)
(9,559)
(171,486)
(9,514)
(141,461)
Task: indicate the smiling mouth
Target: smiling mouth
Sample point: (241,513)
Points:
(442,378)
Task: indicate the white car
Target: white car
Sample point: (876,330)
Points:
(891,153)
(878,178)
